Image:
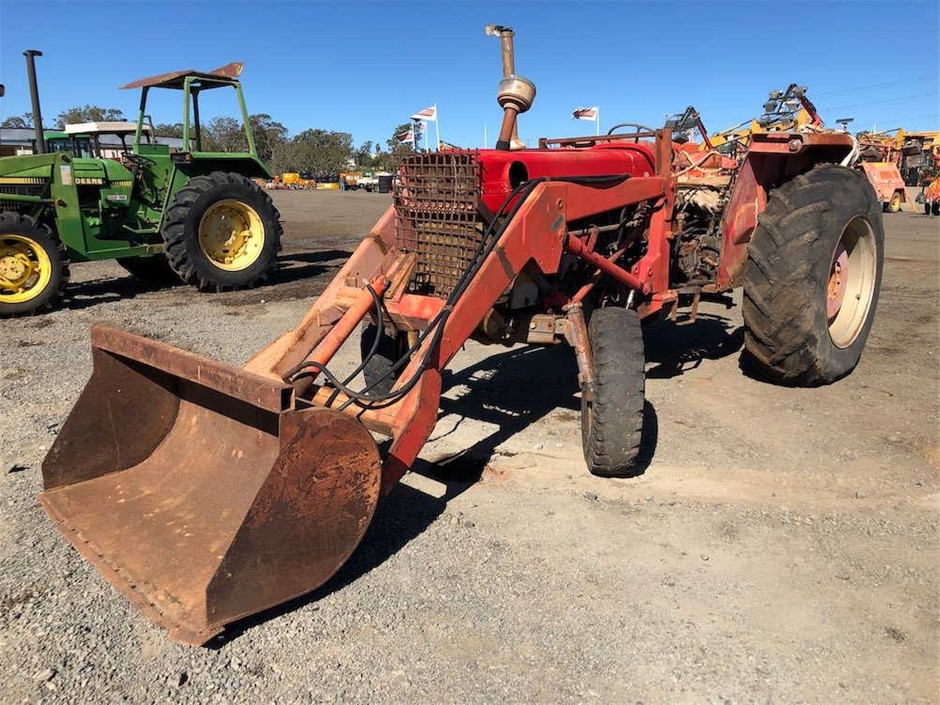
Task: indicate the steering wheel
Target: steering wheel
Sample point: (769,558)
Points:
(637,128)
(135,159)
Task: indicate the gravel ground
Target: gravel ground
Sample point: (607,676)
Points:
(780,547)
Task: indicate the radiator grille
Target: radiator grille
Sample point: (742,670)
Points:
(436,202)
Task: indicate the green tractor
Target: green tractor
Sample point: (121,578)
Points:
(189,214)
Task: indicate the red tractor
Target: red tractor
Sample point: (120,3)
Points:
(239,488)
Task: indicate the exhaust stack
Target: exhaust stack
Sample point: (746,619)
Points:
(31,55)
(515,94)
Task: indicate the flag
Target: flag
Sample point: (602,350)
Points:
(407,135)
(428,114)
(584,113)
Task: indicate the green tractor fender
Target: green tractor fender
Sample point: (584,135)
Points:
(187,165)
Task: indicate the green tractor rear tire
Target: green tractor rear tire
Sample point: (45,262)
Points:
(33,266)
(222,231)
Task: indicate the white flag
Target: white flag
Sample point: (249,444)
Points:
(428,114)
(406,135)
(584,113)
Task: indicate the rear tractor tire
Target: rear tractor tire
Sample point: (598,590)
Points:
(813,277)
(33,266)
(222,231)
(612,423)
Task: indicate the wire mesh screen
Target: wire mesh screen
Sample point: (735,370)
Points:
(436,204)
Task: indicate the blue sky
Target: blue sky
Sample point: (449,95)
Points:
(363,67)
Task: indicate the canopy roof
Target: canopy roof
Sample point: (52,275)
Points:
(175,79)
(114,127)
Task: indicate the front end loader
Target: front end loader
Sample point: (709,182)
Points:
(236,489)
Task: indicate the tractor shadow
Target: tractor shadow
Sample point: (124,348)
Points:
(300,266)
(292,279)
(673,350)
(510,391)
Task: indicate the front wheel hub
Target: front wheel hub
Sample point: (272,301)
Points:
(25,269)
(835,291)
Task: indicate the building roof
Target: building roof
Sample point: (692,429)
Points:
(17,135)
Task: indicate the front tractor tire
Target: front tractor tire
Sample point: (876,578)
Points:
(813,277)
(222,231)
(612,423)
(33,266)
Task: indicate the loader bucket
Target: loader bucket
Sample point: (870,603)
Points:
(201,491)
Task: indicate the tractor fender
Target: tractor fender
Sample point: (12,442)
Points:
(188,165)
(773,159)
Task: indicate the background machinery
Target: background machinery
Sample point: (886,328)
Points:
(879,158)
(193,215)
(878,155)
(930,193)
(240,488)
(787,110)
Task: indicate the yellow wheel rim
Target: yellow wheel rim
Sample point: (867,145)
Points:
(231,235)
(25,269)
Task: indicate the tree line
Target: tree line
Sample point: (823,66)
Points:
(313,151)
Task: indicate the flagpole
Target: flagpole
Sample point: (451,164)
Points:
(597,120)
(437,127)
(485,138)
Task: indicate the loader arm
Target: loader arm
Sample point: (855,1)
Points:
(537,233)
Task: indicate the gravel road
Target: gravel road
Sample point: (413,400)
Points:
(780,547)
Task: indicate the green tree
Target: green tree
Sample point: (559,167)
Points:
(20,121)
(269,135)
(319,152)
(364,159)
(386,161)
(87,113)
(166,129)
(224,134)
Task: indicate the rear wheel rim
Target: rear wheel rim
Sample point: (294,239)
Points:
(231,235)
(851,285)
(25,269)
